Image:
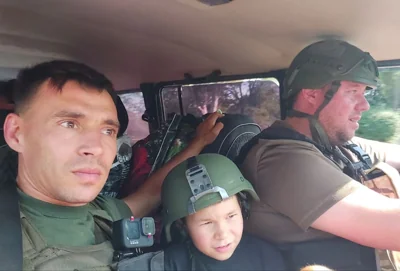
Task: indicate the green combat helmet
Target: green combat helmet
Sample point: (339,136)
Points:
(322,63)
(199,182)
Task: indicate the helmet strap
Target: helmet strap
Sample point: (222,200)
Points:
(328,97)
(318,133)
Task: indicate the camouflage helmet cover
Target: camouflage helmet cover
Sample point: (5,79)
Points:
(327,61)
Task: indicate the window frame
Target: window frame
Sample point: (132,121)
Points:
(278,74)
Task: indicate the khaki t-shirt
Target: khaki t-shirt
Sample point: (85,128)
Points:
(296,184)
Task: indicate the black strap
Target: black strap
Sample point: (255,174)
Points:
(328,97)
(360,153)
(274,132)
(191,162)
(10,228)
(354,170)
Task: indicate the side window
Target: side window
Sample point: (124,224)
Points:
(382,121)
(257,98)
(134,104)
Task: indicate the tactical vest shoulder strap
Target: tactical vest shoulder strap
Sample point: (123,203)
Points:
(277,132)
(32,242)
(103,223)
(354,170)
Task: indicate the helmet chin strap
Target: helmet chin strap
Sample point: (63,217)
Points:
(318,133)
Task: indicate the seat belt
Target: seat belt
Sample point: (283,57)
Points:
(10,227)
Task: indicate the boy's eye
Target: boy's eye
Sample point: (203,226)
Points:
(206,223)
(232,215)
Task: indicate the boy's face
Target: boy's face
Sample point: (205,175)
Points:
(216,230)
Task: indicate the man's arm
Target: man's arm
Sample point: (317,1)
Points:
(306,187)
(364,217)
(380,151)
(148,196)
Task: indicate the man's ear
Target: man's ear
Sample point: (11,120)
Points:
(13,132)
(312,96)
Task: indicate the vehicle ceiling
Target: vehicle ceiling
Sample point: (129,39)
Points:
(134,41)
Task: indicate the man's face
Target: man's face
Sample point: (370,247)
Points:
(67,143)
(340,117)
(216,230)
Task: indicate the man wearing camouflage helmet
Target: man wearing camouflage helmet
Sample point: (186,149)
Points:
(310,192)
(205,199)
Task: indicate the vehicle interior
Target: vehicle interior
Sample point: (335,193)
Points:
(145,45)
(197,56)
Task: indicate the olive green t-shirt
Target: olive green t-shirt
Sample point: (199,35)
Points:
(68,226)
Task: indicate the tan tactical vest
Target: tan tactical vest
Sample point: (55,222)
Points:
(385,180)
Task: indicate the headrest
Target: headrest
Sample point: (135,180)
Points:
(123,117)
(238,130)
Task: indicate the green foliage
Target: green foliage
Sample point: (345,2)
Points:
(388,92)
(382,121)
(380,124)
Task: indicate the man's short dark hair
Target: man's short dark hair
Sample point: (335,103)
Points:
(58,72)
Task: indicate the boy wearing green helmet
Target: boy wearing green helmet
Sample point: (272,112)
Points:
(207,198)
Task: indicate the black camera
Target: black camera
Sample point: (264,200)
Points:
(133,233)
